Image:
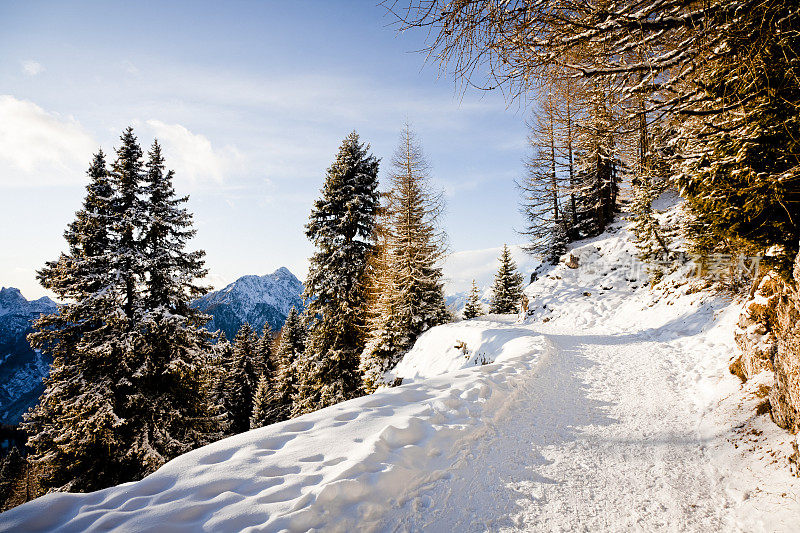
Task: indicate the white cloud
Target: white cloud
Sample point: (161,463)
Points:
(32,68)
(130,68)
(40,148)
(191,155)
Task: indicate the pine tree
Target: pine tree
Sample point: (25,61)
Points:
(262,406)
(242,380)
(127,389)
(170,270)
(290,349)
(507,289)
(341,228)
(651,238)
(411,296)
(130,218)
(12,467)
(473,307)
(74,429)
(265,359)
(169,383)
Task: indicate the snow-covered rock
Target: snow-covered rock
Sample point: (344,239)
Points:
(252,299)
(21,368)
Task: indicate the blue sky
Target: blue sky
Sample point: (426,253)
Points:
(251,101)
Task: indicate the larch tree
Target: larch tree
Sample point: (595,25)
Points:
(341,228)
(740,153)
(411,298)
(507,288)
(544,193)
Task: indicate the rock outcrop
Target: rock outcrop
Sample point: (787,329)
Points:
(769,335)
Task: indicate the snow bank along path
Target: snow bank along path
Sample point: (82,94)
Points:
(613,411)
(343,467)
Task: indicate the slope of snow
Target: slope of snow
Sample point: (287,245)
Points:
(341,468)
(611,411)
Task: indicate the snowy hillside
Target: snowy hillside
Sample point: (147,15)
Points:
(252,299)
(460,268)
(21,368)
(611,408)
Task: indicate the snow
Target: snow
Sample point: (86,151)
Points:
(613,411)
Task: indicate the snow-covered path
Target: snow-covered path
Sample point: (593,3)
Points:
(617,431)
(611,408)
(596,439)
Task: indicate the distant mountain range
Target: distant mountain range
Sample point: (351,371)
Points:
(21,368)
(252,299)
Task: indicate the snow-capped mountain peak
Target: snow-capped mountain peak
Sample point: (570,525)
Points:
(252,299)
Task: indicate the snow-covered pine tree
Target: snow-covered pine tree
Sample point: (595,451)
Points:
(171,271)
(173,348)
(411,298)
(12,468)
(652,239)
(262,405)
(473,307)
(76,429)
(130,222)
(220,363)
(598,168)
(242,379)
(290,348)
(127,389)
(650,242)
(265,358)
(507,289)
(341,228)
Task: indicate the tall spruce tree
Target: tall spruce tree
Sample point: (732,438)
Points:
(130,222)
(473,307)
(290,349)
(341,228)
(173,349)
(411,296)
(127,389)
(507,289)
